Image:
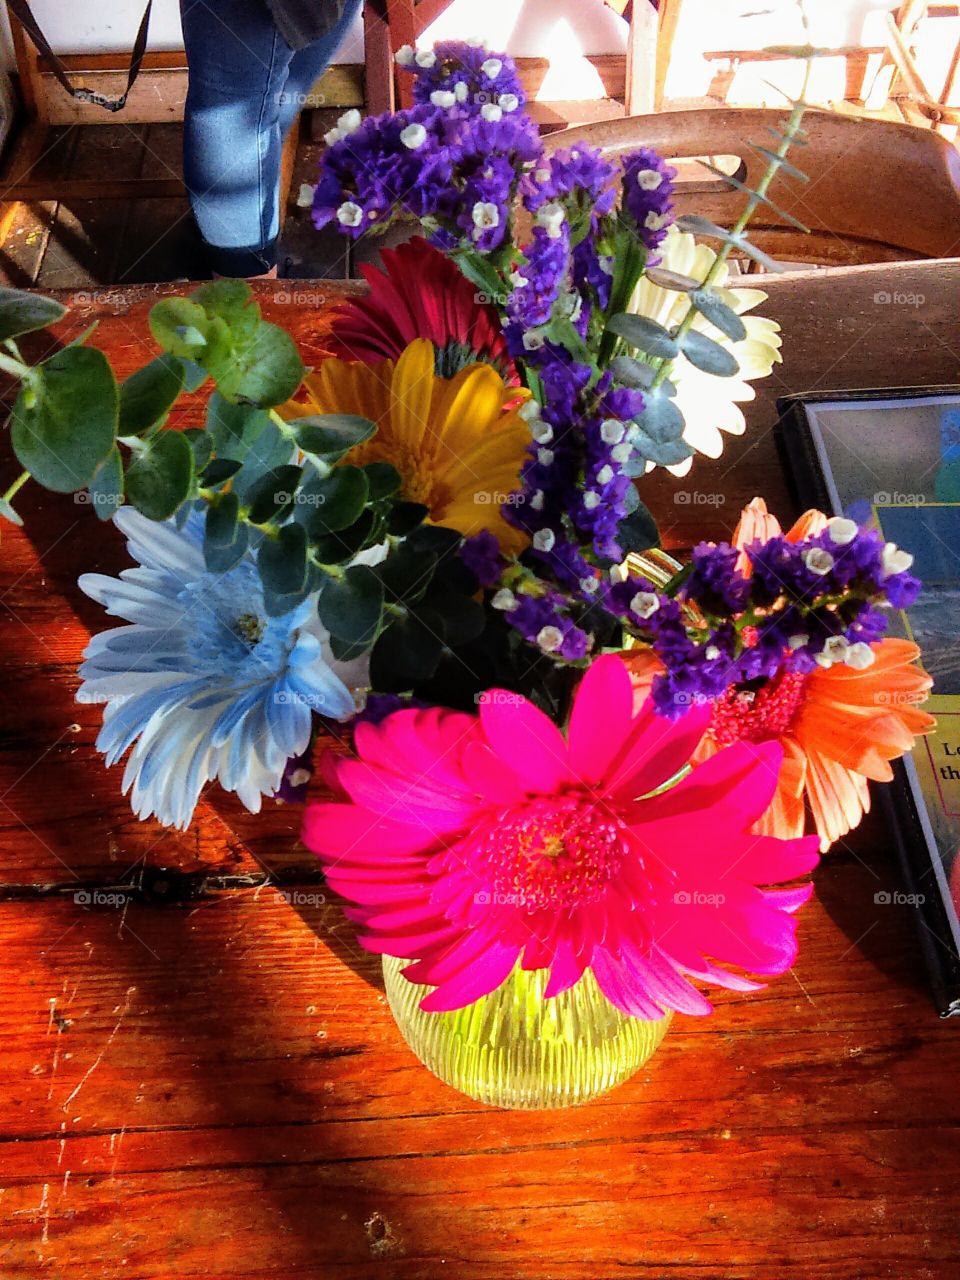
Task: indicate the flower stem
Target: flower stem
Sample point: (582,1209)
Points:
(15,488)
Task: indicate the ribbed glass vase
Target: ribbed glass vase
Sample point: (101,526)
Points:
(513,1048)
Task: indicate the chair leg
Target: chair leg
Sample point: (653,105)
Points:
(378,57)
(641,59)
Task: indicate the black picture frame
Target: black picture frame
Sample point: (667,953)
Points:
(902,799)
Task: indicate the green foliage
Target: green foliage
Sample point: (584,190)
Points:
(645,334)
(351,605)
(221,330)
(160,475)
(148,395)
(106,487)
(26,312)
(65,418)
(331,435)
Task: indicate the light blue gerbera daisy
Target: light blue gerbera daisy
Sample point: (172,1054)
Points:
(202,684)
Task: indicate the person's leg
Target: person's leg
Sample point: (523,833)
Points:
(238,67)
(309,64)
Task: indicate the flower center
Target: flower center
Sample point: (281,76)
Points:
(756,715)
(249,628)
(554,853)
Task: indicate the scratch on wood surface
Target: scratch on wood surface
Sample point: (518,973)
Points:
(115,1140)
(44,1211)
(110,1039)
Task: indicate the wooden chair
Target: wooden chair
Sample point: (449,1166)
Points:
(879,191)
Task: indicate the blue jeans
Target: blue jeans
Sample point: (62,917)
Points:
(246,89)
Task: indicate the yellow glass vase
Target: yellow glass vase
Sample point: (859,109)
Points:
(513,1048)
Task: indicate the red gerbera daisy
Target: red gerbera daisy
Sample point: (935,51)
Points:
(471,844)
(421,294)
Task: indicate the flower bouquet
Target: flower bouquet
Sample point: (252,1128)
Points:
(579,772)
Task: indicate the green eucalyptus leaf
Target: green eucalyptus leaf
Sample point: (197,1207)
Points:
(709,356)
(201,444)
(383,480)
(331,435)
(180,326)
(225,538)
(404,517)
(234,427)
(147,396)
(336,548)
(329,503)
(262,368)
(638,532)
(661,418)
(723,317)
(159,476)
(270,450)
(406,574)
(282,561)
(407,653)
(223,520)
(106,488)
(193,375)
(462,619)
(645,334)
(664,278)
(69,426)
(218,472)
(232,301)
(22,312)
(632,373)
(344,651)
(274,494)
(350,606)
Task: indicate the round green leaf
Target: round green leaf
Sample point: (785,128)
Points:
(645,334)
(147,395)
(69,429)
(273,494)
(383,480)
(159,477)
(106,487)
(225,539)
(709,356)
(8,513)
(673,280)
(263,368)
(26,312)
(350,606)
(713,308)
(180,326)
(282,561)
(331,435)
(329,503)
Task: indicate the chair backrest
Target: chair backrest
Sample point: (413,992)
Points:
(877,190)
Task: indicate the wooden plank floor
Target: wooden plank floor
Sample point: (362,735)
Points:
(89,245)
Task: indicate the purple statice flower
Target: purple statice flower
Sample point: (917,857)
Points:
(647,191)
(579,175)
(468,73)
(592,272)
(481,555)
(297,773)
(543,621)
(540,280)
(714,583)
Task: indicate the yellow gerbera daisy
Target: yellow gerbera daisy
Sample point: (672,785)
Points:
(458,450)
(709,404)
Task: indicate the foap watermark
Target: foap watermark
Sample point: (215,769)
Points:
(897,898)
(86,498)
(302,898)
(691,699)
(898,298)
(300,298)
(498,698)
(494,299)
(898,698)
(291,698)
(101,898)
(495,899)
(698,498)
(884,499)
(694,898)
(300,498)
(494,498)
(100,298)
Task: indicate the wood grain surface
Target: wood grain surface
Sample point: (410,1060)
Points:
(200,1077)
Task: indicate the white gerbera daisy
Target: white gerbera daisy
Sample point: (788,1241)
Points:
(709,405)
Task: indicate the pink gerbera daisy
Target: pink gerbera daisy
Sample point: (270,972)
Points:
(473,843)
(420,293)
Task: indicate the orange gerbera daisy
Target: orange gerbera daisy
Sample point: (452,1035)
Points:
(839,727)
(456,444)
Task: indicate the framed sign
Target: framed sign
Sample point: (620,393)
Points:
(892,459)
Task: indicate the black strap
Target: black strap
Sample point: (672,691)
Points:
(22,12)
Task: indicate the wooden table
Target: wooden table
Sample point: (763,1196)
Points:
(199,1075)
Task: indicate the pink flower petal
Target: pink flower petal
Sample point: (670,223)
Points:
(331,829)
(526,740)
(409,801)
(601,718)
(655,751)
